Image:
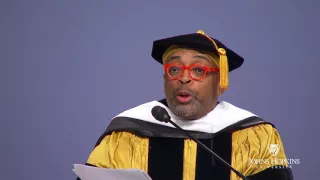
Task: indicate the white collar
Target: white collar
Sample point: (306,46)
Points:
(223,115)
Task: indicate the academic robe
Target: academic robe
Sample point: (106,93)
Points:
(134,139)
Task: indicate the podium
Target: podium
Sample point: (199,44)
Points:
(94,173)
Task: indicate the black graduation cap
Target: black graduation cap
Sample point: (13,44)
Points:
(198,41)
(228,59)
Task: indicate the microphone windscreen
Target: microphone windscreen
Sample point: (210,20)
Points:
(159,113)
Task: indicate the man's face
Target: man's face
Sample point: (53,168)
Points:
(188,98)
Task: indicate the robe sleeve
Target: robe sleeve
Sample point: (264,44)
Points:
(120,150)
(258,153)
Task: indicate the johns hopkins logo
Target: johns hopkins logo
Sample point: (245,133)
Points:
(274,149)
(273,161)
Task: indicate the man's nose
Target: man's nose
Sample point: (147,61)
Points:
(185,78)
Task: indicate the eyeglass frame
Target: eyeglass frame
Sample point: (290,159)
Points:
(206,70)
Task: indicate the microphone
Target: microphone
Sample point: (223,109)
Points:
(161,114)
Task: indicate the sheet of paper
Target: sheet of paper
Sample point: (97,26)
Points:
(93,173)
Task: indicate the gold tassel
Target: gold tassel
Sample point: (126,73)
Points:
(223,64)
(224,70)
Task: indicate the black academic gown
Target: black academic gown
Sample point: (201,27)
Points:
(165,152)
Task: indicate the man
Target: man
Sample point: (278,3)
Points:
(196,69)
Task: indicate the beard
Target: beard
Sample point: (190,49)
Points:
(185,111)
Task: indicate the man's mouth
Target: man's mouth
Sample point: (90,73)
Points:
(184,97)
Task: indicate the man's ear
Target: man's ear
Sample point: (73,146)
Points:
(219,90)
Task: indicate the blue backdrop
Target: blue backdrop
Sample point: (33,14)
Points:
(67,67)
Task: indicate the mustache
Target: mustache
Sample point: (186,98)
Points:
(184,88)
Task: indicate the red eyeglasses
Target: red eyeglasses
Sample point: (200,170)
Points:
(196,71)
